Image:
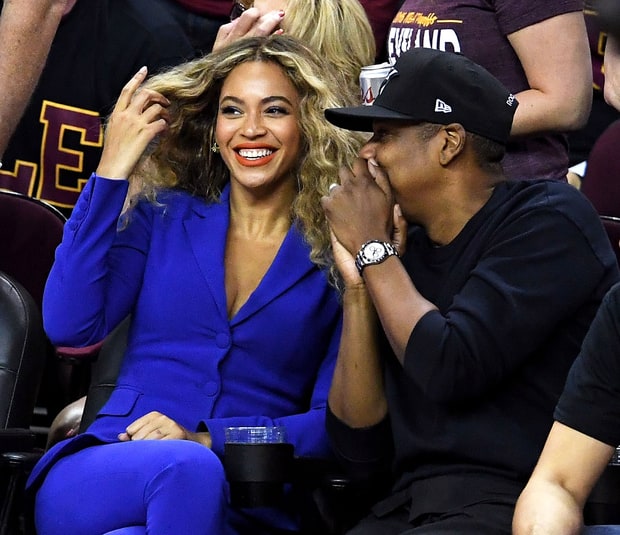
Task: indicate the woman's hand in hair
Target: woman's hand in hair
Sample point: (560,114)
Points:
(139,116)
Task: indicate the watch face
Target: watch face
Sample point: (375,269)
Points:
(374,251)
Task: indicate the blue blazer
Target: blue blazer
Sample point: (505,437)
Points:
(270,364)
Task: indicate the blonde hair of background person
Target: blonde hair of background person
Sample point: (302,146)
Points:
(338,31)
(189,163)
(27,28)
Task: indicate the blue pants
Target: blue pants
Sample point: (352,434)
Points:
(154,486)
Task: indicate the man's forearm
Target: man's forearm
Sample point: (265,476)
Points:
(398,303)
(27,28)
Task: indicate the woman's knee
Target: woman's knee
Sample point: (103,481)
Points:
(192,466)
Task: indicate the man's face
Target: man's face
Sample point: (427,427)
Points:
(409,159)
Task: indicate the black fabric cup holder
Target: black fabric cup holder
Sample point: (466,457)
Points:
(257,472)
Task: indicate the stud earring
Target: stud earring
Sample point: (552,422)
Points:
(215,147)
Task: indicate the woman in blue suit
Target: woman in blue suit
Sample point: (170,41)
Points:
(222,258)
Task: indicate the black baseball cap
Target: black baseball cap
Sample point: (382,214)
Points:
(436,87)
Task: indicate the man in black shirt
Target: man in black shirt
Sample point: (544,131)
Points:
(485,309)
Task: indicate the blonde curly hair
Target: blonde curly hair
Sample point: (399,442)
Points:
(182,159)
(339,32)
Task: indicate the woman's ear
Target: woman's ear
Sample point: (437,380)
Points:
(454,136)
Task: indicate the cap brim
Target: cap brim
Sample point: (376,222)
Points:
(360,118)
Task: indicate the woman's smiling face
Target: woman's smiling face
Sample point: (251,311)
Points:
(257,126)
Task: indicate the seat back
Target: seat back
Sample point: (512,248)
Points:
(600,184)
(104,372)
(612,227)
(30,231)
(22,353)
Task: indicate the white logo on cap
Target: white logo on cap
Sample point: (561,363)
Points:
(442,107)
(511,99)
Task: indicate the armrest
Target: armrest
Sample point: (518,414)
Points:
(313,472)
(23,461)
(16,439)
(81,360)
(16,509)
(78,355)
(335,501)
(329,501)
(17,448)
(113,344)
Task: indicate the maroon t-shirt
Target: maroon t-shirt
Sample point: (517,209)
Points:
(479,29)
(213,8)
(380,14)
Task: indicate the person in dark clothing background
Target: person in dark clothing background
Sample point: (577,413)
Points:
(23,21)
(201,20)
(97,48)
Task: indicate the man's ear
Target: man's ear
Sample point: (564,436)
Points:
(454,136)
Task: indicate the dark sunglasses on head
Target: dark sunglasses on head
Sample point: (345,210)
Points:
(239,6)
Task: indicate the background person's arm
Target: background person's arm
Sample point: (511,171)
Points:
(555,56)
(27,28)
(553,500)
(611,89)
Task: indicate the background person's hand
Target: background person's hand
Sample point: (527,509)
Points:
(251,23)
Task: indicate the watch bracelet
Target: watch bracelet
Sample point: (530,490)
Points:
(389,247)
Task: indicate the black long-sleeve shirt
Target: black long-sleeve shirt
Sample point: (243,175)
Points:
(516,291)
